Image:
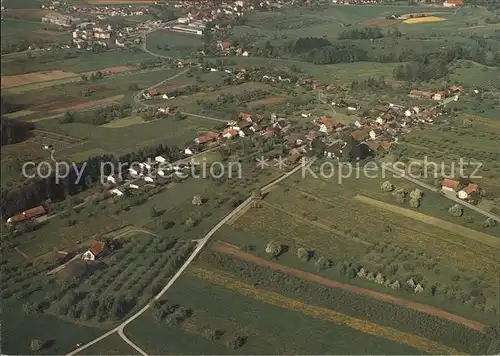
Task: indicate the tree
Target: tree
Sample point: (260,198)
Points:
(322,263)
(387,186)
(416,194)
(303,254)
(133,87)
(362,273)
(396,285)
(379,279)
(154,213)
(235,342)
(456,210)
(197,200)
(273,249)
(190,222)
(490,222)
(36,345)
(414,203)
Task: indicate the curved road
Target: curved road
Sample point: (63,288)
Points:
(201,243)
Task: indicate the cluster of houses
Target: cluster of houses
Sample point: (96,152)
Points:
(463,188)
(90,34)
(27,215)
(452,91)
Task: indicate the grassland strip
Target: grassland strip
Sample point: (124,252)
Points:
(317,224)
(330,315)
(423,308)
(483,238)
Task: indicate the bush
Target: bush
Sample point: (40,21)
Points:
(36,345)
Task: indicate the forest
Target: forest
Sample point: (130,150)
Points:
(13,131)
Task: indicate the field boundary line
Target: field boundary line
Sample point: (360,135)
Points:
(414,340)
(423,308)
(463,231)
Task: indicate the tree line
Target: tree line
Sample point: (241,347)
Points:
(13,131)
(359,306)
(30,192)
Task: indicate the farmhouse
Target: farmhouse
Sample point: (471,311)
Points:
(450,185)
(224,45)
(97,249)
(32,213)
(420,94)
(471,189)
(453,3)
(208,137)
(114,179)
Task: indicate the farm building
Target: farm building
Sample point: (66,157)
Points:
(97,249)
(450,185)
(453,3)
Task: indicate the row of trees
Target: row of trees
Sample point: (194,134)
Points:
(366,308)
(14,131)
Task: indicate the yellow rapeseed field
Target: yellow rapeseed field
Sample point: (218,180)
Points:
(225,280)
(423,19)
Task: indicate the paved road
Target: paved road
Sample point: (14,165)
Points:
(450,195)
(201,243)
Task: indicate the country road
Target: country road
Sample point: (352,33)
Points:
(201,243)
(450,195)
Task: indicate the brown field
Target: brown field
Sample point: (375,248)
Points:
(481,237)
(379,22)
(92,104)
(111,70)
(35,77)
(227,281)
(423,308)
(267,101)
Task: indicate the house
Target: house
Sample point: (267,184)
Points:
(188,151)
(16,219)
(450,185)
(137,184)
(269,133)
(148,179)
(133,171)
(224,45)
(245,116)
(468,191)
(208,137)
(229,133)
(420,94)
(295,139)
(160,159)
(386,145)
(114,179)
(455,89)
(34,212)
(438,96)
(361,134)
(306,115)
(117,192)
(334,151)
(96,249)
(453,3)
(373,145)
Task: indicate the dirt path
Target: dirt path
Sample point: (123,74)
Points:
(228,249)
(18,250)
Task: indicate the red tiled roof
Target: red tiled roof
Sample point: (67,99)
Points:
(17,218)
(97,247)
(450,183)
(34,212)
(386,145)
(230,131)
(471,188)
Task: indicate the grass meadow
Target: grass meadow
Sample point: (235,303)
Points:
(269,328)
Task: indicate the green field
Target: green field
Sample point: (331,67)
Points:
(172,44)
(269,329)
